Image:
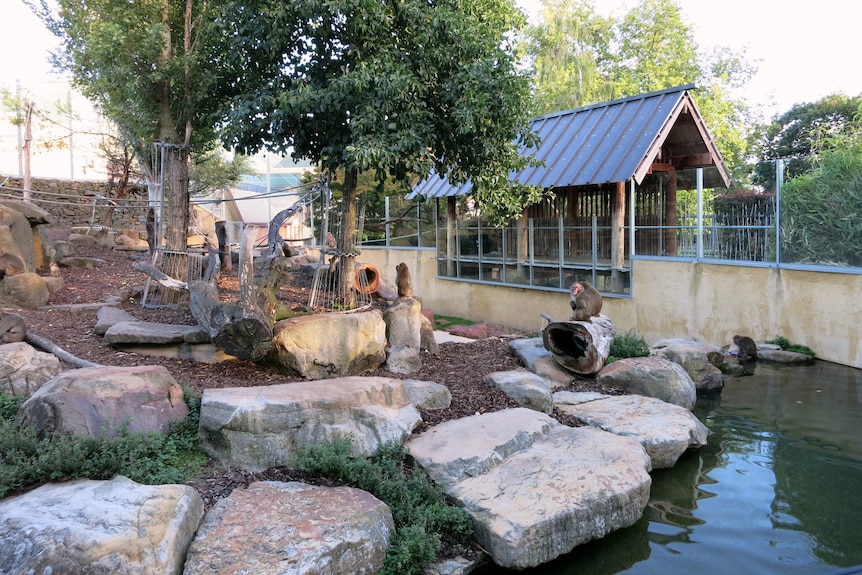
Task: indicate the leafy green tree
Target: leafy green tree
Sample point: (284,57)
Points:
(150,67)
(569,52)
(581,58)
(798,135)
(401,88)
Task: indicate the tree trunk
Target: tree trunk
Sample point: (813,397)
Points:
(176,197)
(347,242)
(580,346)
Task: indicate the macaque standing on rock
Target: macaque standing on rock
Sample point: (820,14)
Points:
(403,281)
(747,347)
(586,301)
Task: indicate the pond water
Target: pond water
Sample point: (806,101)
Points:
(777,490)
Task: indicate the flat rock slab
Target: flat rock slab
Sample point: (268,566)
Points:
(535,488)
(275,528)
(261,427)
(666,431)
(126,332)
(85,526)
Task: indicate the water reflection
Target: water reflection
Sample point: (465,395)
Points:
(776,490)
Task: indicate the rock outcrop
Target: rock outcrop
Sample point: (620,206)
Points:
(535,488)
(23,369)
(84,526)
(101,400)
(666,431)
(701,361)
(329,345)
(525,387)
(261,427)
(273,528)
(651,377)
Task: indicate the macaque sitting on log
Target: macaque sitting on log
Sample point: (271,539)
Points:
(586,301)
(581,347)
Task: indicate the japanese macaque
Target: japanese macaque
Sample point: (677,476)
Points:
(12,328)
(747,347)
(11,265)
(403,281)
(586,301)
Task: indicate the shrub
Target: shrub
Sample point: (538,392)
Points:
(424,521)
(153,458)
(629,344)
(786,345)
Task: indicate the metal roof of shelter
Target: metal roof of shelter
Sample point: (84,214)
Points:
(612,142)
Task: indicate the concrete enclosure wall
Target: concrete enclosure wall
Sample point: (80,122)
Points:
(707,302)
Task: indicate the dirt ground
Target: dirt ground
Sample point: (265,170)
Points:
(459,366)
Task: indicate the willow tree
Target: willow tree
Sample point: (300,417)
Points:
(404,88)
(149,66)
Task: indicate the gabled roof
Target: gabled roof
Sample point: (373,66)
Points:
(612,142)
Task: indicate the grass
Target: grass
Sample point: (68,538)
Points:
(28,459)
(425,522)
(444,321)
(786,345)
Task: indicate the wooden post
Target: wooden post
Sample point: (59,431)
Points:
(618,236)
(670,216)
(450,236)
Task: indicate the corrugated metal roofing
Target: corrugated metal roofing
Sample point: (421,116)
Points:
(604,143)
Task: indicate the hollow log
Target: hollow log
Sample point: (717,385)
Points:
(581,347)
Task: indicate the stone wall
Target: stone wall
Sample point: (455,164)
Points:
(72,202)
(707,302)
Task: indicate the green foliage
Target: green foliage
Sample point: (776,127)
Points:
(213,170)
(786,345)
(28,460)
(799,134)
(401,88)
(445,321)
(423,519)
(821,211)
(9,405)
(582,58)
(629,344)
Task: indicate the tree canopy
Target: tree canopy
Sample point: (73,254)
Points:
(799,135)
(150,66)
(583,58)
(403,88)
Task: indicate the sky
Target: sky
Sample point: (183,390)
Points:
(804,51)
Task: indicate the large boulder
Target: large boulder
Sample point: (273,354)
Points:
(403,320)
(535,488)
(261,427)
(83,526)
(666,431)
(23,369)
(651,377)
(701,361)
(525,387)
(27,290)
(101,400)
(16,237)
(329,345)
(273,528)
(531,352)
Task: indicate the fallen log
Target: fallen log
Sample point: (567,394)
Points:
(60,353)
(581,347)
